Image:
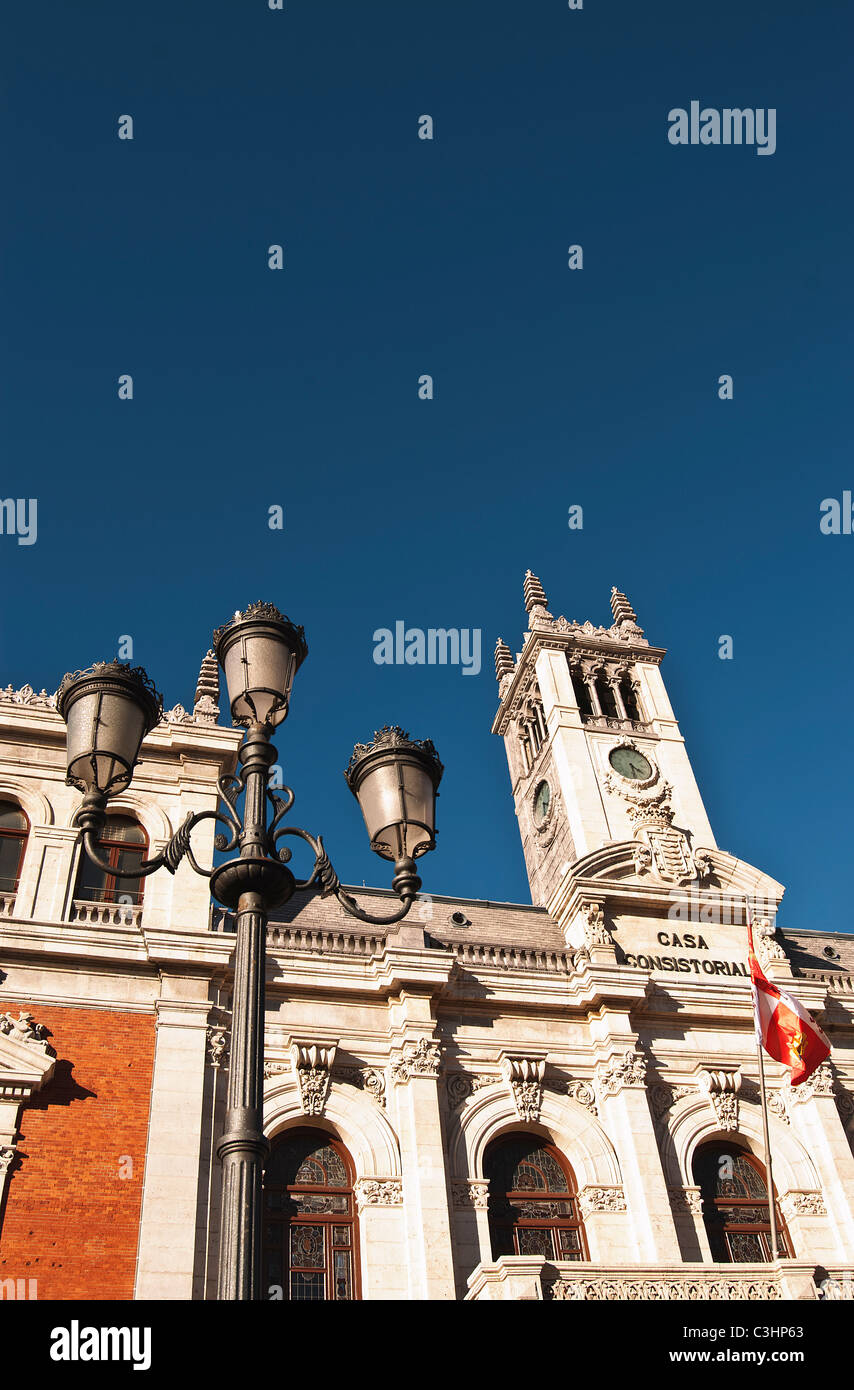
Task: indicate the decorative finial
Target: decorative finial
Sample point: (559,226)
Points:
(533,592)
(503,660)
(206,699)
(621,608)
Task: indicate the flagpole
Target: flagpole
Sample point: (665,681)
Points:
(772,1212)
(772,1206)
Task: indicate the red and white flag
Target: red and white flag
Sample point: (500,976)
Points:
(784,1028)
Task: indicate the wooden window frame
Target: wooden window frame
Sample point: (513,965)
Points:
(327,1220)
(113,848)
(551,1223)
(23,836)
(723,1229)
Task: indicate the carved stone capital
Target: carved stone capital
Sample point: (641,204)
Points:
(595,1198)
(619,1072)
(378,1192)
(7,1153)
(421,1058)
(470,1193)
(686,1200)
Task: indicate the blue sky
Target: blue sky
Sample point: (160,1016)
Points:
(597,387)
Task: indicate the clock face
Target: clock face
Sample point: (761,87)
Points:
(542,802)
(631,764)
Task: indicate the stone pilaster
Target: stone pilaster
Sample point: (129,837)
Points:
(815,1120)
(625,1114)
(415,1084)
(167,1236)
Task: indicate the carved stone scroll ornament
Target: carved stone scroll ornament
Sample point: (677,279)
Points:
(461,1084)
(722,1089)
(800,1203)
(421,1058)
(369,1079)
(617,1072)
(593,1199)
(820,1084)
(663,1097)
(777,1106)
(6,1155)
(378,1192)
(525,1079)
(577,1090)
(313,1065)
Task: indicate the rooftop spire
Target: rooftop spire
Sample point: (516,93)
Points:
(206,699)
(621,608)
(533,593)
(503,660)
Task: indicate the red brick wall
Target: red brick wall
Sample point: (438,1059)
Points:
(70,1220)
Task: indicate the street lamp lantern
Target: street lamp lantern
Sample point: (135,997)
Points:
(109,709)
(395,780)
(260,651)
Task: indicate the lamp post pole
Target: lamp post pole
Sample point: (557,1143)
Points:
(109,709)
(243,1147)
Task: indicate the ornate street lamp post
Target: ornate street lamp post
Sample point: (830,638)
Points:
(109,709)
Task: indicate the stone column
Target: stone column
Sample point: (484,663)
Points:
(167,1236)
(625,1114)
(415,1075)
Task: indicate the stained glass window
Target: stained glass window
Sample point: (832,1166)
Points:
(735,1205)
(533,1209)
(310,1233)
(14,828)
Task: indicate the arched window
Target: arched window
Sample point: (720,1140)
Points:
(582,693)
(124,844)
(630,699)
(310,1231)
(14,829)
(735,1205)
(533,1207)
(606,696)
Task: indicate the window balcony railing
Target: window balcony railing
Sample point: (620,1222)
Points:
(105,914)
(531,1277)
(607,721)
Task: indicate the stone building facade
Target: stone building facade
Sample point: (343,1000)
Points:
(489,1101)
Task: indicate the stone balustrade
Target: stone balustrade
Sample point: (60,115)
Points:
(106,914)
(531,1277)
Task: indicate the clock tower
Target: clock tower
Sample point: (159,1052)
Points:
(595,753)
